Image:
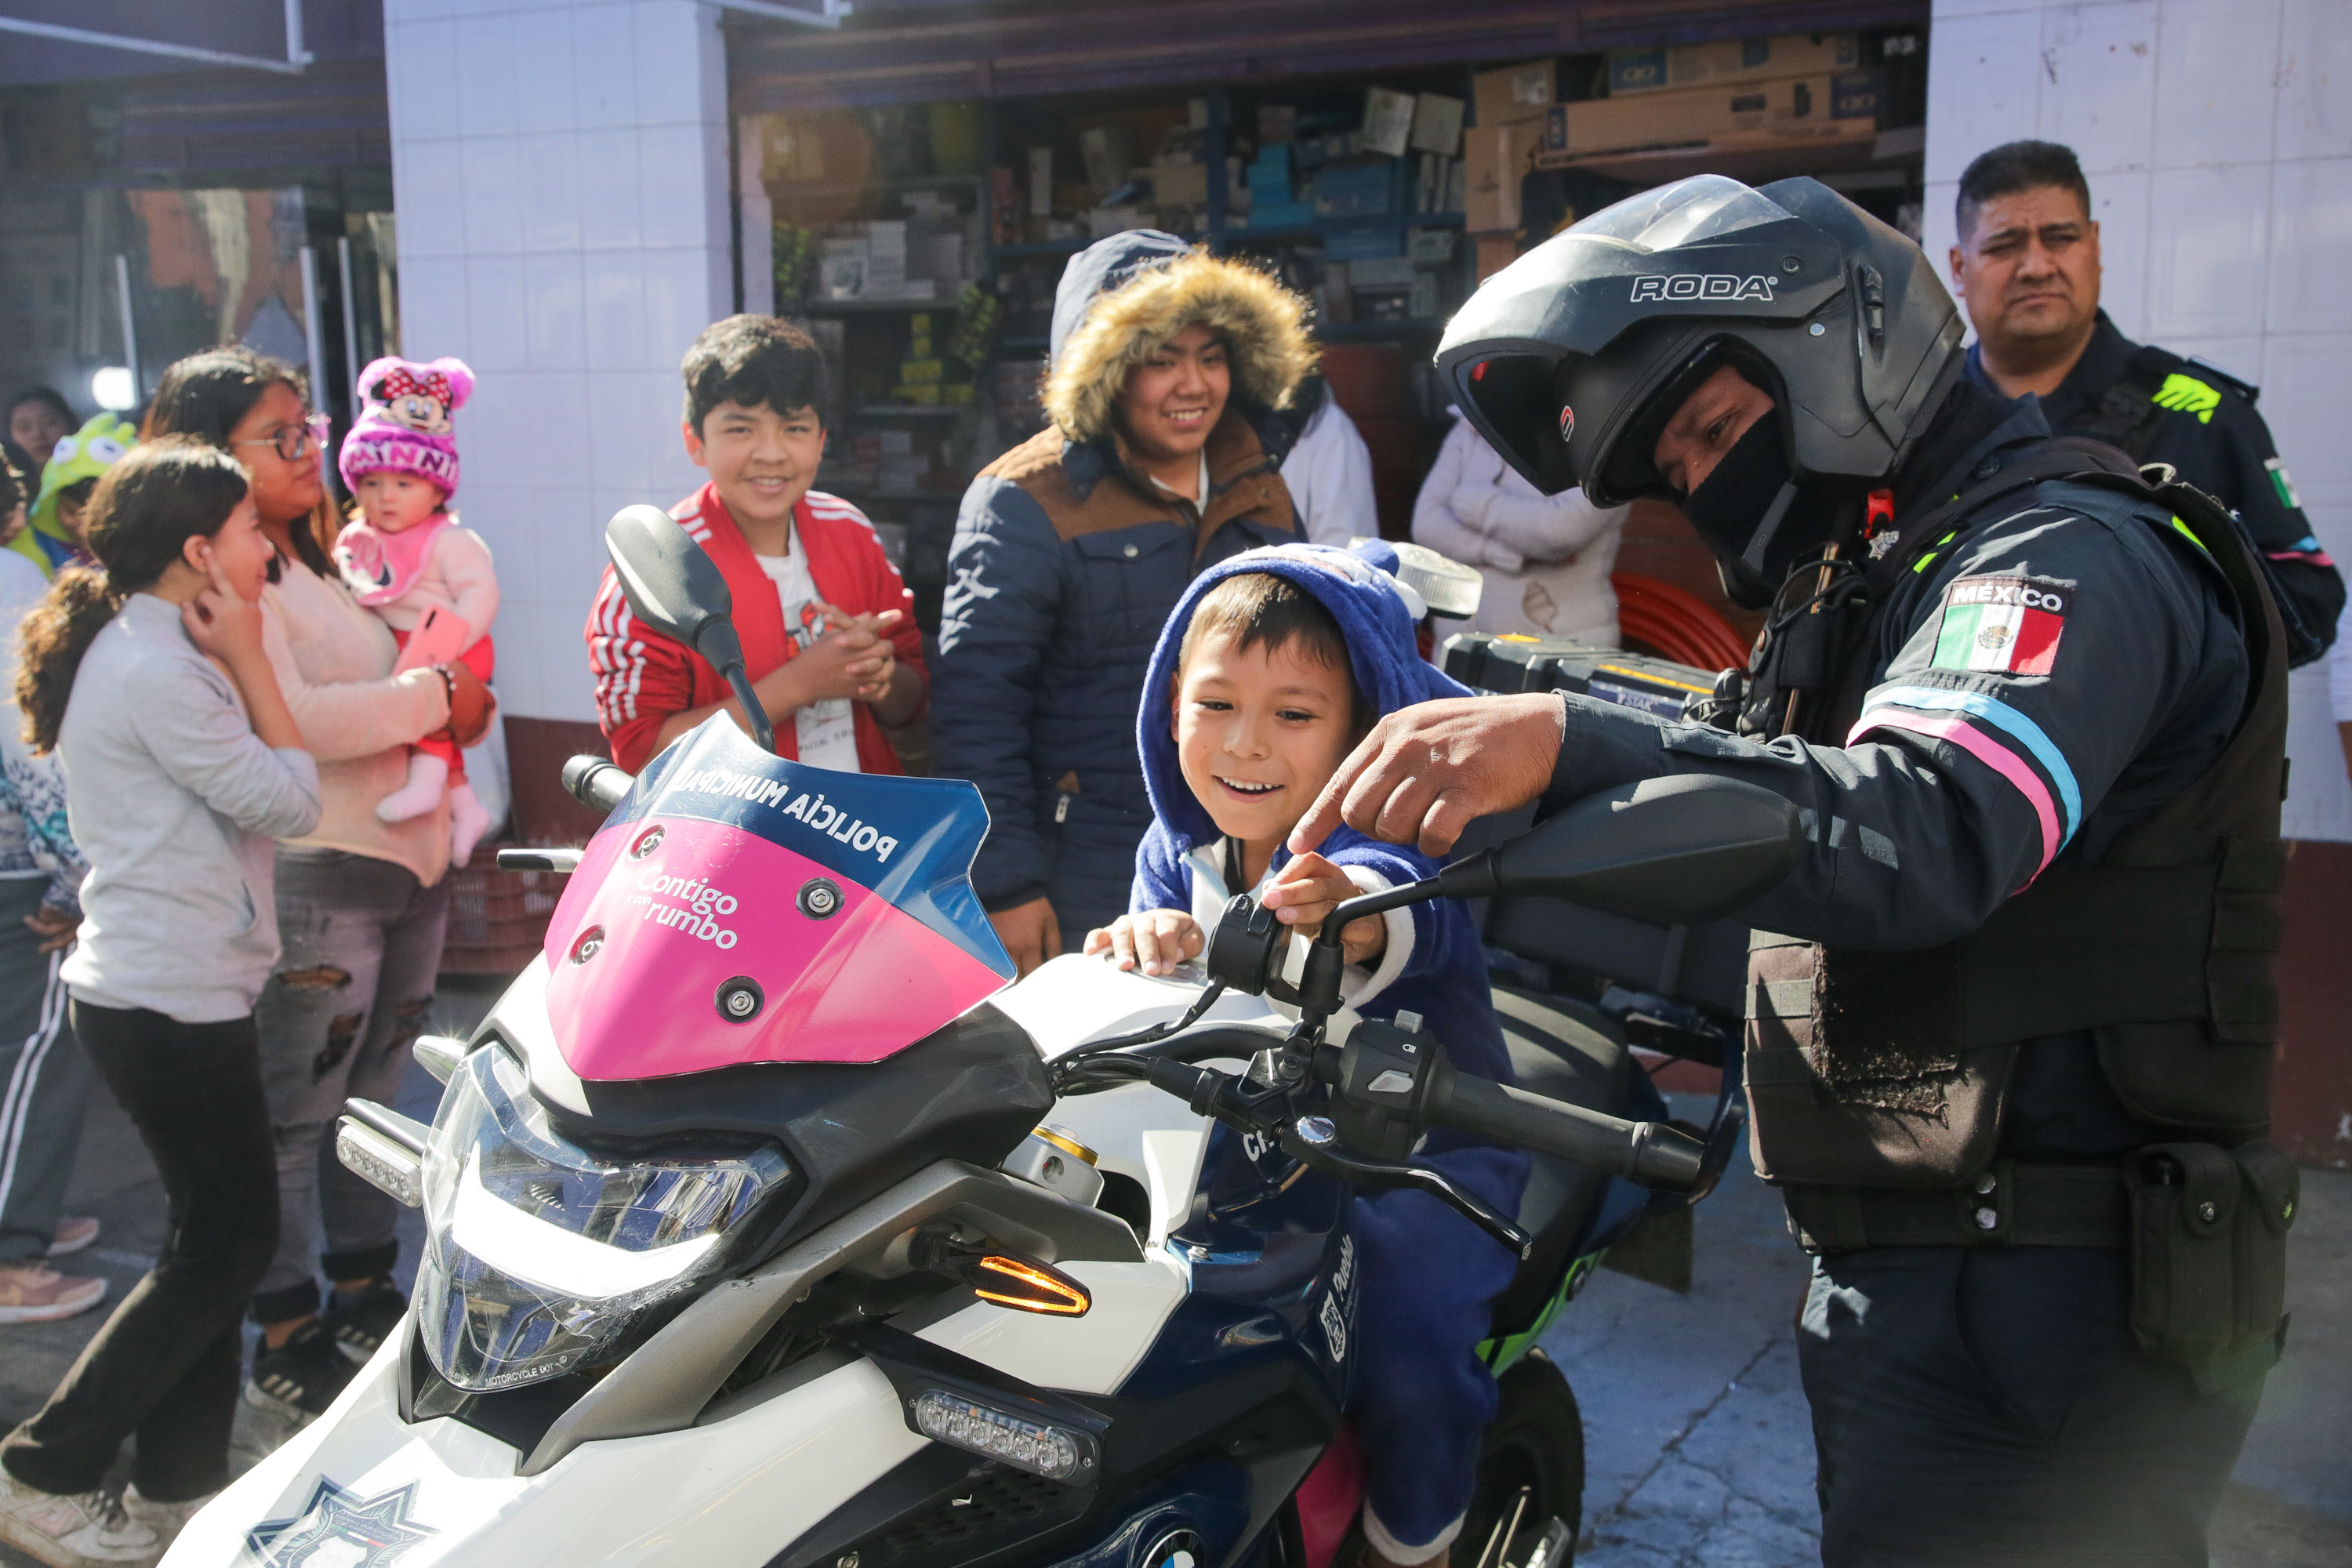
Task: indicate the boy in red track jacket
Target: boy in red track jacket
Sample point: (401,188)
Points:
(828,629)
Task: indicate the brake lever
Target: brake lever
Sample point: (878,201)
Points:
(1313,1141)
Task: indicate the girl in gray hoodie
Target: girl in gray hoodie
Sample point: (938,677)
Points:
(183,763)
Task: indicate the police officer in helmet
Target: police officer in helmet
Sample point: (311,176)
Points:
(2011,1013)
(2027,268)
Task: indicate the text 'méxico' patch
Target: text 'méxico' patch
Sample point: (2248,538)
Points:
(2009,625)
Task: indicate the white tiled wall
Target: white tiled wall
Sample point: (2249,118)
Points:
(561,172)
(2217,137)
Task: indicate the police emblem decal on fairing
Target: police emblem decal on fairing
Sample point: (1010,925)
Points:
(1339,1305)
(2008,625)
(1704,286)
(337,1527)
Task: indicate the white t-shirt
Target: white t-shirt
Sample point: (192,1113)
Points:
(827,730)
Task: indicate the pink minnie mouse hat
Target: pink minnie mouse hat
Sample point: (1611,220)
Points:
(404,426)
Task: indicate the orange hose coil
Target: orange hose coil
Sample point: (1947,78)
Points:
(1680,625)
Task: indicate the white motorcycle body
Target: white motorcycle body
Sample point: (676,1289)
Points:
(756,1471)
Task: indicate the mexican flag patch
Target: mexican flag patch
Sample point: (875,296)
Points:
(2009,626)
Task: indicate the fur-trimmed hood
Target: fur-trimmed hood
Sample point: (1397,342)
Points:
(1123,297)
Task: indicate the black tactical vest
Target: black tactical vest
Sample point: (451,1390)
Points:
(1891,1070)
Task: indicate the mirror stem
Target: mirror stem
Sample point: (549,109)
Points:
(1378,903)
(753,714)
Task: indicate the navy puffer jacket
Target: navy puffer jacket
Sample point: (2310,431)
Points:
(1067,562)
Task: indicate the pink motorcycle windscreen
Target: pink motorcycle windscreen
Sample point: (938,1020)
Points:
(737,908)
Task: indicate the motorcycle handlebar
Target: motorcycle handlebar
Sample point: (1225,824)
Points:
(595,783)
(1651,1154)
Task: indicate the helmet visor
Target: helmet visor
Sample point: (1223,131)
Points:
(1705,206)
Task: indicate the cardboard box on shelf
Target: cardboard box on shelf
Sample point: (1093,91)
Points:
(1179,185)
(1388,121)
(1437,125)
(1702,113)
(1104,222)
(1429,247)
(1041,181)
(1513,92)
(1495,251)
(1723,60)
(1643,165)
(1110,153)
(1359,243)
(1494,158)
(1356,189)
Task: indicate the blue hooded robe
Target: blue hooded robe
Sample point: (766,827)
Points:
(1422,1396)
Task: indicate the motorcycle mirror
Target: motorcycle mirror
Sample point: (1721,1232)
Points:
(1673,851)
(671,584)
(674,586)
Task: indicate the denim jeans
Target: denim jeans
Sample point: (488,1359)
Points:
(354,986)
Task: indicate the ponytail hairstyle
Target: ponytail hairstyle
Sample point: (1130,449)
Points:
(147,507)
(206,393)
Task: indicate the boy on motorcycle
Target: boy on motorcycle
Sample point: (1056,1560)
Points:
(1271,667)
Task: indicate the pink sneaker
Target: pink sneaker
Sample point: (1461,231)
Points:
(37,1293)
(74,1232)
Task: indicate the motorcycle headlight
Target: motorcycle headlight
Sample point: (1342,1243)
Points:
(538,1253)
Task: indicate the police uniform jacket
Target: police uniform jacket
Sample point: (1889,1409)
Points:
(2162,409)
(2056,667)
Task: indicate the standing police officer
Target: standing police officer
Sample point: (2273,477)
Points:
(2027,266)
(2010,1065)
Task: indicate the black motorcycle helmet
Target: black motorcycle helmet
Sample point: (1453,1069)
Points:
(1570,360)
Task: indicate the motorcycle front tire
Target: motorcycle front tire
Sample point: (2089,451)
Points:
(1537,1442)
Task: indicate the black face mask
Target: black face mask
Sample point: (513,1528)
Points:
(1743,510)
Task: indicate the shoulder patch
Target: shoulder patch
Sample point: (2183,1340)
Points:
(2282,484)
(2007,626)
(2187,394)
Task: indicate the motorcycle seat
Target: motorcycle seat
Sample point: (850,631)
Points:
(1566,1050)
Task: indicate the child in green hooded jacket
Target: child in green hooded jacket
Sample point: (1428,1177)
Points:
(52,539)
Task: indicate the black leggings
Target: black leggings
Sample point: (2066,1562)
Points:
(166,1364)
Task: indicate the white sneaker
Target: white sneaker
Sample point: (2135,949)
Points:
(165,1518)
(72,1531)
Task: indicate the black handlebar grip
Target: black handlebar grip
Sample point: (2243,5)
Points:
(595,783)
(1649,1153)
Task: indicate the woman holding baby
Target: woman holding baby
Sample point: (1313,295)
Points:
(361,901)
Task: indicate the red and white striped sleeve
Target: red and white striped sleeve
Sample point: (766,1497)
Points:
(642,677)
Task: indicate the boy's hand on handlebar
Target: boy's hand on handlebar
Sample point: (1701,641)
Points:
(1155,940)
(1427,772)
(1305,892)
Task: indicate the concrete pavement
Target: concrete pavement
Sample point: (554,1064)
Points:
(1699,1450)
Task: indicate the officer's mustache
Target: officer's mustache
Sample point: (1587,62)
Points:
(1746,510)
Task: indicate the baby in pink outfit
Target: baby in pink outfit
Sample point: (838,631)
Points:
(406,556)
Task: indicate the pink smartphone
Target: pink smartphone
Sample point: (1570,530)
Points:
(439,637)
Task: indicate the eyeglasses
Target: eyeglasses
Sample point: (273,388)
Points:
(295,442)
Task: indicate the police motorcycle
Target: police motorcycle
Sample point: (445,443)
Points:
(767,1225)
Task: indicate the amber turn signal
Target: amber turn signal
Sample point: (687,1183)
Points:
(1028,1286)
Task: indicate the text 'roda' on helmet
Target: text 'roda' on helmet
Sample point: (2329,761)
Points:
(1570,360)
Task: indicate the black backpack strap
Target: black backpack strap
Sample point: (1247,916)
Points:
(2128,416)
